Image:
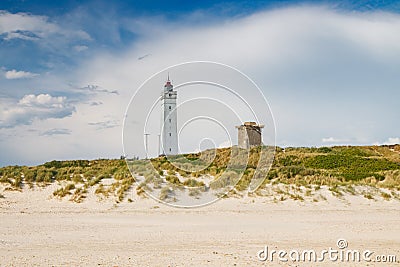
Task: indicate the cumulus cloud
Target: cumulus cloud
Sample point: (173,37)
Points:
(14,74)
(35,107)
(44,100)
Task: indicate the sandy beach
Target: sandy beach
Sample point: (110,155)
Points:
(39,230)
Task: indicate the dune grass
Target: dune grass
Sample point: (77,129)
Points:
(340,169)
(64,191)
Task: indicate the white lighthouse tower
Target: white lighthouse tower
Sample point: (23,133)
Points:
(169,133)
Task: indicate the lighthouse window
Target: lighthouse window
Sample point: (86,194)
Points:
(169,107)
(170,150)
(169,120)
(170,95)
(169,134)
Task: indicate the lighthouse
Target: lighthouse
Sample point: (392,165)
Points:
(169,133)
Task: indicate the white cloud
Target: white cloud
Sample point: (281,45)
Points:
(328,140)
(334,140)
(14,23)
(80,48)
(35,28)
(226,143)
(392,141)
(306,60)
(14,74)
(97,89)
(24,35)
(45,100)
(34,107)
(111,123)
(325,73)
(56,131)
(274,38)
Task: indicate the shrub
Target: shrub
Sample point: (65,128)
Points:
(101,190)
(352,167)
(193,183)
(77,178)
(63,191)
(386,196)
(324,150)
(69,187)
(288,161)
(30,175)
(368,196)
(194,192)
(226,179)
(79,195)
(166,193)
(335,191)
(67,163)
(121,174)
(17,182)
(173,179)
(93,181)
(124,186)
(296,197)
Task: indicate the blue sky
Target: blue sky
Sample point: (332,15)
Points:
(68,68)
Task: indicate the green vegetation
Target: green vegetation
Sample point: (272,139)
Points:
(351,167)
(78,175)
(125,185)
(166,193)
(79,195)
(368,196)
(386,196)
(193,183)
(340,169)
(173,179)
(63,191)
(371,165)
(336,191)
(101,190)
(331,166)
(227,179)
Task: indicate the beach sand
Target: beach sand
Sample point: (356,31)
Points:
(39,230)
